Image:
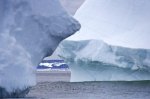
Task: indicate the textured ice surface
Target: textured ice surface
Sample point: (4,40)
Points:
(29,31)
(92,60)
(117,22)
(96,50)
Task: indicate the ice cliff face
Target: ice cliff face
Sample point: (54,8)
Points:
(97,60)
(96,50)
(116,22)
(29,31)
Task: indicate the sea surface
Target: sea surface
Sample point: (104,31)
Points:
(91,90)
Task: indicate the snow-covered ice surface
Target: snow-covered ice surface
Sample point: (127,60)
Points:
(52,65)
(117,22)
(95,60)
(91,90)
(29,31)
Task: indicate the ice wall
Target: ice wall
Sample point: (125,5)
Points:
(117,22)
(99,51)
(29,31)
(95,60)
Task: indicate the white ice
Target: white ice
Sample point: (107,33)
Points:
(99,51)
(116,22)
(29,31)
(95,60)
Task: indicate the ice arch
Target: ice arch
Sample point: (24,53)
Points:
(29,31)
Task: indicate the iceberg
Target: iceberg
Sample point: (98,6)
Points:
(117,22)
(120,46)
(95,60)
(29,31)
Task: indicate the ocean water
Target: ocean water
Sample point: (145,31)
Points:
(91,90)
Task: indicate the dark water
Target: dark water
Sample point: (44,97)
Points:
(91,90)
